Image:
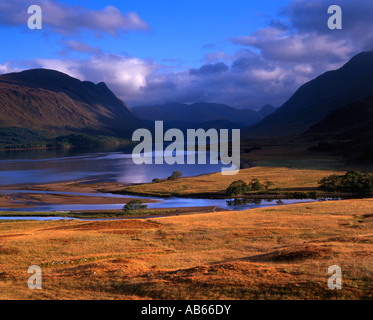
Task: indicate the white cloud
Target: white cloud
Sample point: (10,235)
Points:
(124,75)
(7,68)
(67,19)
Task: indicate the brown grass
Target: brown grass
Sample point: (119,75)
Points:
(283,177)
(294,254)
(271,253)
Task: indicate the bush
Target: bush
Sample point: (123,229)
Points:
(156,180)
(255,185)
(236,188)
(352,181)
(268,184)
(175,175)
(134,205)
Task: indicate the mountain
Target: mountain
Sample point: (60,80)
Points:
(347,129)
(352,121)
(201,114)
(266,110)
(317,98)
(51,101)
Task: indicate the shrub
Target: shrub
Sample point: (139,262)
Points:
(175,175)
(255,185)
(236,188)
(352,181)
(156,180)
(268,184)
(134,205)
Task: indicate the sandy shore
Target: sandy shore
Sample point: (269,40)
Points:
(25,200)
(84,186)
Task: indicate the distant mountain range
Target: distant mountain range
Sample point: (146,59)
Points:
(202,115)
(56,103)
(337,105)
(315,100)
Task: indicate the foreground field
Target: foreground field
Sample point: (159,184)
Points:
(275,253)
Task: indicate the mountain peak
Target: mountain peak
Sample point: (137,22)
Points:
(52,100)
(266,110)
(362,61)
(317,98)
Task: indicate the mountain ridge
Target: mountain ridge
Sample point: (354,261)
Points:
(44,99)
(201,113)
(318,97)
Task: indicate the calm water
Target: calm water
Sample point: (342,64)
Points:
(173,202)
(115,164)
(26,167)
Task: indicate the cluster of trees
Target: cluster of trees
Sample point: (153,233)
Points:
(175,175)
(352,181)
(239,187)
(134,206)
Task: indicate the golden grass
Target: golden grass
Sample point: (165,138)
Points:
(282,177)
(270,253)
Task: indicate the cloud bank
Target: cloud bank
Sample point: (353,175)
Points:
(66,19)
(267,67)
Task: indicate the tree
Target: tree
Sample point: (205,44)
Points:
(175,175)
(352,181)
(268,184)
(236,188)
(255,185)
(156,180)
(134,205)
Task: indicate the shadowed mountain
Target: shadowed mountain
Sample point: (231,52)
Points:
(48,100)
(353,121)
(267,110)
(348,129)
(317,98)
(201,115)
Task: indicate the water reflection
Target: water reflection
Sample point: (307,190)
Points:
(244,201)
(113,165)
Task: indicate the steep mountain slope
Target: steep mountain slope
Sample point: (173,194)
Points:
(352,121)
(184,115)
(42,99)
(266,110)
(317,98)
(348,130)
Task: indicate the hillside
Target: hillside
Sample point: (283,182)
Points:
(266,110)
(317,98)
(51,101)
(348,129)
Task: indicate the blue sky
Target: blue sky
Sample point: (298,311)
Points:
(178,29)
(243,53)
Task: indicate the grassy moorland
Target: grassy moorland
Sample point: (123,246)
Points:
(270,253)
(284,179)
(280,252)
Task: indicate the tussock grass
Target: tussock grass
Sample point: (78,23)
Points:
(270,253)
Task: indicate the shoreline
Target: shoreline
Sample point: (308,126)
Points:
(97,215)
(30,200)
(273,195)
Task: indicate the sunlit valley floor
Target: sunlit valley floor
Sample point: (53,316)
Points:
(281,252)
